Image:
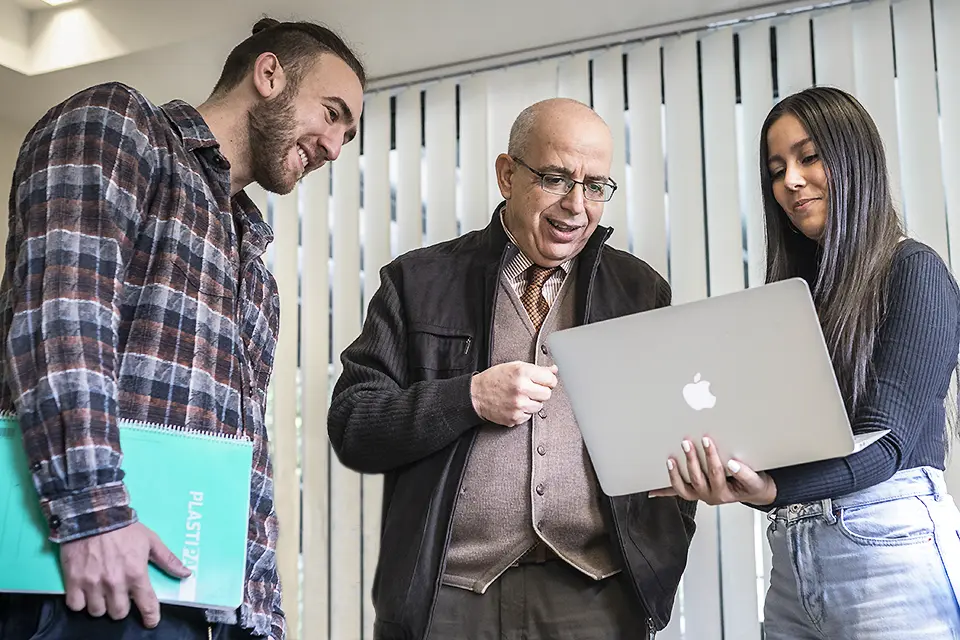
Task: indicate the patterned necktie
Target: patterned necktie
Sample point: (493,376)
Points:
(532,298)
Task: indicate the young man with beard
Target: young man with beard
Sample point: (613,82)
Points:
(134,288)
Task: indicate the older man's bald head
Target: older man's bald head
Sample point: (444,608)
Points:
(541,119)
(559,149)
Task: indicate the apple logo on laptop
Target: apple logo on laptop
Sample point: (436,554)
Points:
(697,394)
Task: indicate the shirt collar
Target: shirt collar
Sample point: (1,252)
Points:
(190,125)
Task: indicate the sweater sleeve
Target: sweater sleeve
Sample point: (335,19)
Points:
(378,420)
(913,361)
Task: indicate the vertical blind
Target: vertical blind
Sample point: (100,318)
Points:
(686,112)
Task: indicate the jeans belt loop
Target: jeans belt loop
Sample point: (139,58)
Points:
(933,484)
(827,506)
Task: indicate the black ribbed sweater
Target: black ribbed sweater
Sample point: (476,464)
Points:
(913,360)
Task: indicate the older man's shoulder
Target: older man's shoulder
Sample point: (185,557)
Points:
(627,264)
(448,250)
(444,260)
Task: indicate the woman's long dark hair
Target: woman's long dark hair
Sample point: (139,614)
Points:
(847,270)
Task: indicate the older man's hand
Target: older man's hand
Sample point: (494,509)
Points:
(508,394)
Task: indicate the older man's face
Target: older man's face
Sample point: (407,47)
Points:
(551,228)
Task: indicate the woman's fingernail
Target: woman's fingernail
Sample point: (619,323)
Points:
(734,466)
(670,464)
(706,442)
(685,445)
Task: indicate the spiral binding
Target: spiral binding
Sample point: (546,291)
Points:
(157,426)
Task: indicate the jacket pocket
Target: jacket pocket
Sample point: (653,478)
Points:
(439,352)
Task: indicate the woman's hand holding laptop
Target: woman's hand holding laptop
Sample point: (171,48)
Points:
(712,484)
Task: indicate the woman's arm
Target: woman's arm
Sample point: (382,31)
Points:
(913,361)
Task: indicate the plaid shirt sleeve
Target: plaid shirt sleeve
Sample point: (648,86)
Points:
(81,180)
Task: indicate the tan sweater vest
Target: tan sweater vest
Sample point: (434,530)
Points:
(533,482)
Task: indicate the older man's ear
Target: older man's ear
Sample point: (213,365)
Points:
(506,168)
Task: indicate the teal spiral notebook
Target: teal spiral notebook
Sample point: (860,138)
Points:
(191,488)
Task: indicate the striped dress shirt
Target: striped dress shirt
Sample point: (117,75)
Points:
(515,270)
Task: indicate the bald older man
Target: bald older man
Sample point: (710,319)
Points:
(494,525)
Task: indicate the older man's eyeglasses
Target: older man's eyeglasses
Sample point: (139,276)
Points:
(560,185)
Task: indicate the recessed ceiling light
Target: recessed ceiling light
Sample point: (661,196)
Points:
(55,3)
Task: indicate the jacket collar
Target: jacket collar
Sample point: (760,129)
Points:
(494,245)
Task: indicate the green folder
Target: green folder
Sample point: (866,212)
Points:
(191,488)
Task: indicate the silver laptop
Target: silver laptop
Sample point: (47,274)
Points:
(750,369)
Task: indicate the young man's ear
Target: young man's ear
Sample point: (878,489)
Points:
(268,76)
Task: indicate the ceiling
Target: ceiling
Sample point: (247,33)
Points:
(174,48)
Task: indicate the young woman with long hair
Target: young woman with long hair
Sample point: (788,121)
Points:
(866,546)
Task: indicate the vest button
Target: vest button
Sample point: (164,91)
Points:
(541,450)
(542,413)
(543,349)
(539,489)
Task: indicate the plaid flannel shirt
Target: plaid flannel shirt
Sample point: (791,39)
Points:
(134,287)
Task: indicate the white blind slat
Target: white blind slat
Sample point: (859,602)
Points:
(833,48)
(756,97)
(688,263)
(645,188)
(608,102)
(376,192)
(947,21)
(873,67)
(409,157)
(725,231)
(924,205)
(794,64)
(738,557)
(574,78)
(441,138)
(701,590)
(510,92)
(345,494)
(476,171)
(688,278)
(315,363)
(376,253)
(286,477)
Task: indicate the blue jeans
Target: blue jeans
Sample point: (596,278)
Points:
(878,564)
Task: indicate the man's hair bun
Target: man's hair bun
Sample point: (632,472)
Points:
(264,23)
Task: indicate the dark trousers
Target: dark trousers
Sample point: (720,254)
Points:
(548,601)
(34,617)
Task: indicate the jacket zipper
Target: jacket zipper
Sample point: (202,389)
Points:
(593,276)
(651,627)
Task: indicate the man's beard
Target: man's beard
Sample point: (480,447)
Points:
(271,131)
